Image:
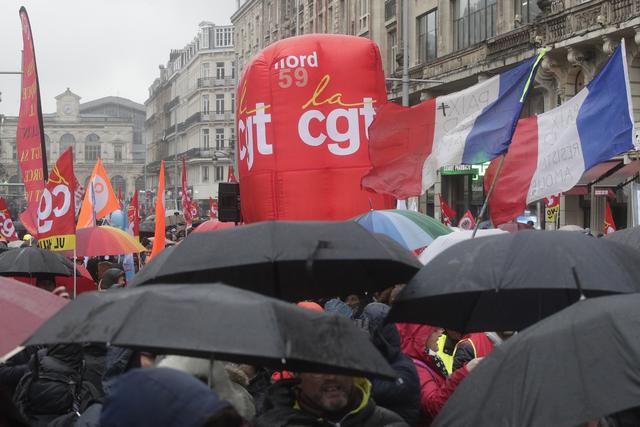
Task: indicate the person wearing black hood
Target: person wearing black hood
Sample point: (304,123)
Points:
(401,396)
(113,278)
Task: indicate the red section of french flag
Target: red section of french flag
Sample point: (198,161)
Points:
(509,198)
(400,139)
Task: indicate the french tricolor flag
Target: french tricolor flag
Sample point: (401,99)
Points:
(550,152)
(408,145)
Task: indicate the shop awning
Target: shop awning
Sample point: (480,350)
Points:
(621,176)
(593,174)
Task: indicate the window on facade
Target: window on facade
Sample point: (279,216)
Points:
(233,69)
(119,185)
(14,150)
(426,30)
(205,104)
(392,39)
(204,70)
(363,9)
(224,37)
(219,104)
(527,10)
(232,138)
(233,101)
(47,146)
(205,173)
(205,139)
(204,40)
(219,139)
(219,70)
(219,173)
(474,21)
(67,140)
(117,152)
(91,152)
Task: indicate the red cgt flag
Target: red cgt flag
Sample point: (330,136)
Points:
(56,212)
(7,230)
(609,224)
(447,213)
(231,177)
(213,208)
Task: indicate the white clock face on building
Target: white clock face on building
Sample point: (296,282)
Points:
(67,109)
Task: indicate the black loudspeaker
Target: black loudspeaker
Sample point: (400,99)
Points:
(229,202)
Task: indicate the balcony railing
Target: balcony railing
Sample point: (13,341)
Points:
(204,82)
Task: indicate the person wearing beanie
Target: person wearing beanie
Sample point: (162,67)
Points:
(162,397)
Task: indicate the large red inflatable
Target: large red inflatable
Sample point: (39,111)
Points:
(304,107)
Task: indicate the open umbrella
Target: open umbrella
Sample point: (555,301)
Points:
(510,281)
(293,260)
(213,225)
(628,236)
(218,321)
(105,240)
(443,242)
(33,261)
(575,366)
(410,229)
(23,308)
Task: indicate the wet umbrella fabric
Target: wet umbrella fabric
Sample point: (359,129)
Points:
(510,281)
(23,308)
(33,261)
(219,321)
(628,236)
(289,260)
(575,366)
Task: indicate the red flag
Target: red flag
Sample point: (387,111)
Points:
(29,133)
(231,177)
(159,239)
(447,213)
(609,224)
(56,213)
(133,217)
(79,194)
(213,209)
(195,208)
(467,222)
(186,200)
(7,230)
(120,197)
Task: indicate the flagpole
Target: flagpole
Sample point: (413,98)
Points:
(486,200)
(75,260)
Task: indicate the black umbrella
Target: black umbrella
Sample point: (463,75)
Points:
(628,236)
(575,366)
(289,260)
(217,321)
(33,261)
(510,281)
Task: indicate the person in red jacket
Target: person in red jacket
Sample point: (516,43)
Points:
(420,343)
(471,346)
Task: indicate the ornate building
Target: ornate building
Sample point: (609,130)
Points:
(107,128)
(460,42)
(190,115)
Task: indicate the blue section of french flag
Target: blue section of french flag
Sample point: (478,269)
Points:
(593,126)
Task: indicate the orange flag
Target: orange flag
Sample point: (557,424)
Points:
(99,198)
(159,237)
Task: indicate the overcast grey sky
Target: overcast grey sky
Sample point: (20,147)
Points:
(99,47)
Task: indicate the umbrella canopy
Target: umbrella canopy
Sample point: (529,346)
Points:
(105,240)
(293,260)
(443,242)
(411,229)
(575,366)
(628,236)
(217,321)
(33,261)
(510,281)
(151,269)
(23,309)
(213,225)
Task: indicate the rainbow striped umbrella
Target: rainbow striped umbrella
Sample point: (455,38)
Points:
(412,230)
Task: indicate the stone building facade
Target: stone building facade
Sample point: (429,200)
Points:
(460,42)
(190,115)
(104,128)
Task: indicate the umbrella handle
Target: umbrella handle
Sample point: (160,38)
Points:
(210,376)
(578,285)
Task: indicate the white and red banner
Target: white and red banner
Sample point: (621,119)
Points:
(304,108)
(56,212)
(467,222)
(7,230)
(30,134)
(552,204)
(186,200)
(133,217)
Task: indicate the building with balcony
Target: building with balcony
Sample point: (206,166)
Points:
(105,128)
(190,115)
(461,42)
